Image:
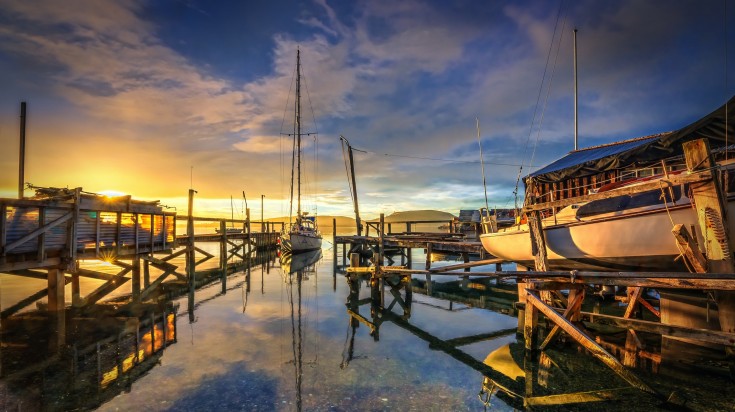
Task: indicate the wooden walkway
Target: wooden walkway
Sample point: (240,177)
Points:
(48,236)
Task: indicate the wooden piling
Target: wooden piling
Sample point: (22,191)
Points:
(22,157)
(223,254)
(190,263)
(334,247)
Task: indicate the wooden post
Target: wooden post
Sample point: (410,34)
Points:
(354,260)
(408,250)
(530,327)
(118,230)
(712,216)
(135,275)
(76,295)
(522,286)
(381,248)
(42,236)
(538,242)
(190,262)
(334,247)
(22,157)
(135,284)
(223,254)
(247,231)
(146,274)
(97,239)
(56,285)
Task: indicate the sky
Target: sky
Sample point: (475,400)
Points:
(152,98)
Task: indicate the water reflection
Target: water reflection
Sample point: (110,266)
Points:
(510,375)
(98,356)
(296,270)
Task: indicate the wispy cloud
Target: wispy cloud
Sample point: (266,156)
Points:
(401,78)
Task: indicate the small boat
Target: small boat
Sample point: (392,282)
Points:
(230,230)
(301,235)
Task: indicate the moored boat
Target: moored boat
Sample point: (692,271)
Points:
(302,234)
(625,232)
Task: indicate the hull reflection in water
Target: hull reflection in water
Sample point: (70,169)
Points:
(301,262)
(93,360)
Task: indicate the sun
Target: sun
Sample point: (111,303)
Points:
(112,193)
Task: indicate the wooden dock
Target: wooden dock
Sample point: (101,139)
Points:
(49,236)
(389,244)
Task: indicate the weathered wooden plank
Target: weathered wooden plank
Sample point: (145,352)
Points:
(112,284)
(671,181)
(578,397)
(466,265)
(571,310)
(538,241)
(633,297)
(705,335)
(689,249)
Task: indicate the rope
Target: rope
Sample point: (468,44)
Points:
(538,99)
(548,92)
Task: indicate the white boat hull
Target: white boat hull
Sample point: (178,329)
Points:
(642,242)
(299,243)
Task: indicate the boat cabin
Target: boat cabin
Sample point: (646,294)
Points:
(597,168)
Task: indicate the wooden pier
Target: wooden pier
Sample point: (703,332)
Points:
(389,244)
(51,235)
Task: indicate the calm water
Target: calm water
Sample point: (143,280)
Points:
(312,340)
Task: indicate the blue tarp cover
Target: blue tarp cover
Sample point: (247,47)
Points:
(717,127)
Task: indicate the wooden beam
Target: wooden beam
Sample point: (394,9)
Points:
(538,241)
(704,335)
(571,310)
(105,289)
(466,265)
(709,203)
(689,249)
(578,397)
(588,343)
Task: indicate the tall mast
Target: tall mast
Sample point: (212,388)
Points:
(576,128)
(298,131)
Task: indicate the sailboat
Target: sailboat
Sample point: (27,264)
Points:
(302,234)
(232,230)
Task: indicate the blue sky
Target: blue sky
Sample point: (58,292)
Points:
(129,96)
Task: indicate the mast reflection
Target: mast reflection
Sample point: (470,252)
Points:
(295,270)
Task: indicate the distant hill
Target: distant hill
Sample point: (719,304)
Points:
(416,215)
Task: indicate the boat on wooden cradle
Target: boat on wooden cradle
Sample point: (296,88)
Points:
(623,229)
(302,234)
